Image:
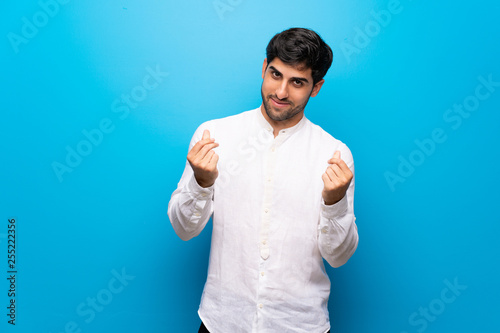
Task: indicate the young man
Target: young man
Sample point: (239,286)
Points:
(281,193)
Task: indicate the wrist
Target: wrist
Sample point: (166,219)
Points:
(331,199)
(204,183)
(330,202)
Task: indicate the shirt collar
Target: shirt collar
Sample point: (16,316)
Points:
(288,131)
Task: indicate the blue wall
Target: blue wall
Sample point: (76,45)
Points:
(99,102)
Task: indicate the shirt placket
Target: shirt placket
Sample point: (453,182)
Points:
(266,206)
(264,245)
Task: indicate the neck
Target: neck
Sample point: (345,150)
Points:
(282,124)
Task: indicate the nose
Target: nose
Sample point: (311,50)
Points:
(282,90)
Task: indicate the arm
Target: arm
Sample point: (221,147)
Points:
(191,204)
(338,233)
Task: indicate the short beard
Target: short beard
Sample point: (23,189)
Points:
(285,114)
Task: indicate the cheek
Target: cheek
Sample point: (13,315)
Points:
(299,98)
(267,87)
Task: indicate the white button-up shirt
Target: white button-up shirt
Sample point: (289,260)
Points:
(271,228)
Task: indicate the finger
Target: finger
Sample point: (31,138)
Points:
(205,162)
(200,144)
(325,178)
(199,151)
(334,160)
(340,176)
(213,160)
(332,176)
(342,165)
(206,135)
(345,168)
(337,171)
(204,150)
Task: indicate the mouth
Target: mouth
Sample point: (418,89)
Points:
(277,103)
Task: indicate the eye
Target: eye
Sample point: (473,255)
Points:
(275,74)
(298,83)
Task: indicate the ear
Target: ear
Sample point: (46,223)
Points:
(264,67)
(317,88)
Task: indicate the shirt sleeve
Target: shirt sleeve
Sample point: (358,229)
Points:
(337,230)
(190,205)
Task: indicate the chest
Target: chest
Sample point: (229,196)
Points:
(263,166)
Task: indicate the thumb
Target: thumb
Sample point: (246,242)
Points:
(206,135)
(336,154)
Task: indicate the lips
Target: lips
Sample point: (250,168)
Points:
(278,103)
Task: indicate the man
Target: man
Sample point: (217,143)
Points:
(281,193)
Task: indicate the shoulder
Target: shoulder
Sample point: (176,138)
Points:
(229,120)
(224,124)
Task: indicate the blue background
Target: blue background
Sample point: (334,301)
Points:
(109,214)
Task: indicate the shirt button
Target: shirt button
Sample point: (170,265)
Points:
(264,242)
(273,149)
(324,230)
(266,210)
(261,306)
(196,214)
(204,195)
(262,273)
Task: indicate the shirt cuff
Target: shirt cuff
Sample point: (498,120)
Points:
(337,209)
(199,192)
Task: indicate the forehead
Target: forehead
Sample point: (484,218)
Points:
(299,70)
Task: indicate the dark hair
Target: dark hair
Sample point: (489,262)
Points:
(298,46)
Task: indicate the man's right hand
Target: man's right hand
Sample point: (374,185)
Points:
(203,160)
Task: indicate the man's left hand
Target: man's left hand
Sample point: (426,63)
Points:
(336,178)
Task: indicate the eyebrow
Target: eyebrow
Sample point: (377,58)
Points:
(303,79)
